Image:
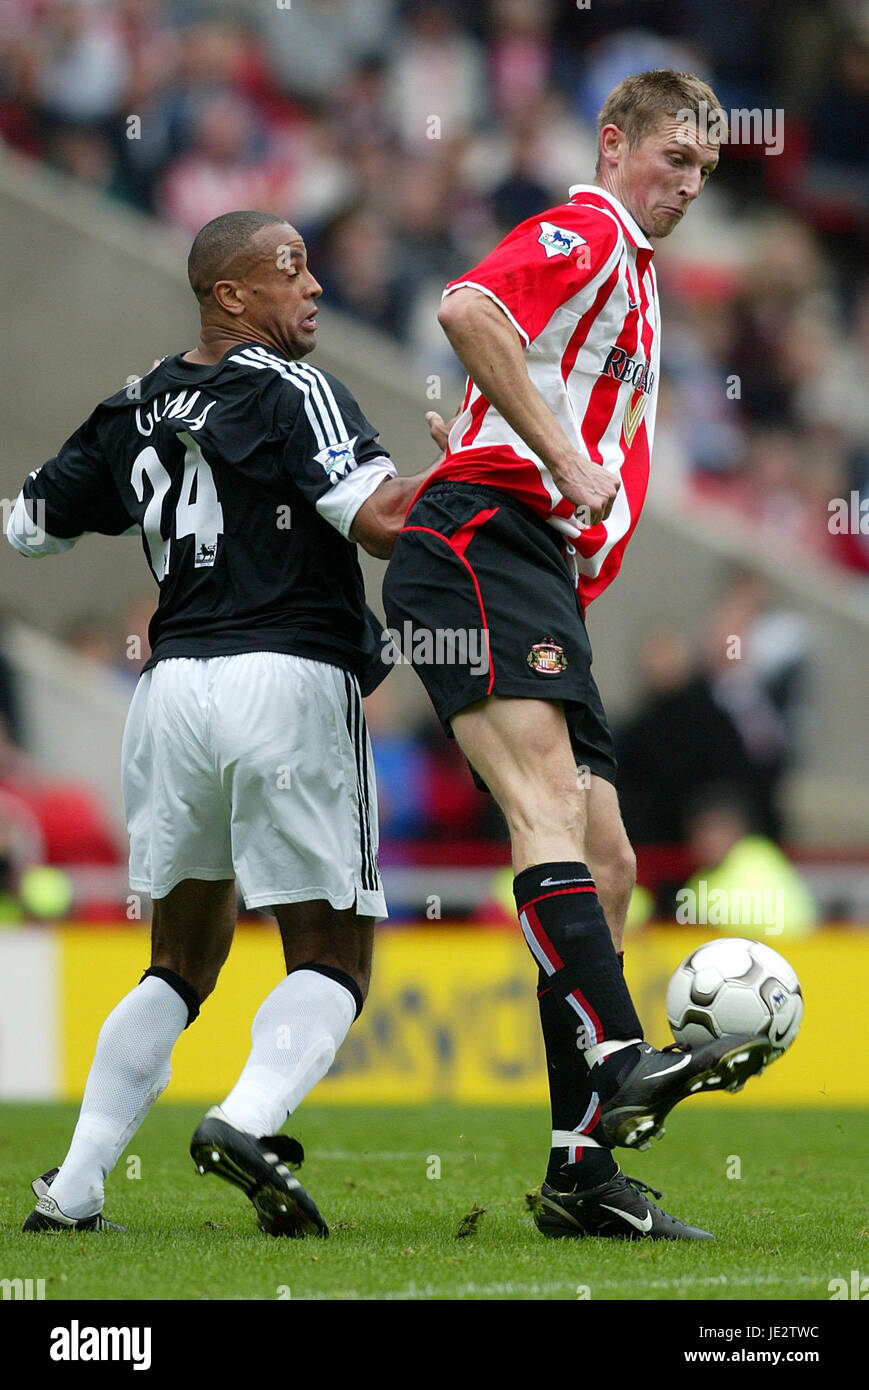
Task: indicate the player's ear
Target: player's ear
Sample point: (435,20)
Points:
(611,142)
(227,297)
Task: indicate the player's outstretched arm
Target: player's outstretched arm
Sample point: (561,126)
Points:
(492,353)
(379,519)
(70,496)
(26,533)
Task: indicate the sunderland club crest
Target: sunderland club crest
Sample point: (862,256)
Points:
(547,657)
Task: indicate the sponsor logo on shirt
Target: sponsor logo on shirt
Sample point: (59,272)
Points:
(339,459)
(557,242)
(637,374)
(624,368)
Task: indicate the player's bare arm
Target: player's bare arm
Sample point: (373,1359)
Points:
(379,520)
(381,517)
(491,352)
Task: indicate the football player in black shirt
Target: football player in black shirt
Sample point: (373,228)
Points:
(250,475)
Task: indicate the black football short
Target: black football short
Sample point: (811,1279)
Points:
(481,601)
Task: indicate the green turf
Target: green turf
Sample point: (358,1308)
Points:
(793,1221)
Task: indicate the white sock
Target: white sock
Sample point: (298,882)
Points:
(294,1037)
(129,1071)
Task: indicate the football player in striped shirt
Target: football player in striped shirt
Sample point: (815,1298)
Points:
(521,526)
(250,476)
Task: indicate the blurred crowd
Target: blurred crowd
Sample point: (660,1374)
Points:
(716,728)
(404,139)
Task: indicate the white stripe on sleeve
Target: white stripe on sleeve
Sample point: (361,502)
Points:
(340,504)
(29,538)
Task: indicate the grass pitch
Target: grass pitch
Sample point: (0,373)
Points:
(792,1220)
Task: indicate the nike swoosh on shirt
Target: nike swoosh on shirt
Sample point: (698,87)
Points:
(682,1062)
(554,882)
(644,1225)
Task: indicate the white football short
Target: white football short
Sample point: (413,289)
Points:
(258,767)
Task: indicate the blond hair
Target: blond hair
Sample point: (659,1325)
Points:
(639,102)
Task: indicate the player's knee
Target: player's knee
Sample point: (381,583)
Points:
(556,808)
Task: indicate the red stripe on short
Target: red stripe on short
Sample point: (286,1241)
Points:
(460,555)
(461,539)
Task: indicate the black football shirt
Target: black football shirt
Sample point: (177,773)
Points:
(243,478)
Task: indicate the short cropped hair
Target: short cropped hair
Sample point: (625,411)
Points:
(639,102)
(220,244)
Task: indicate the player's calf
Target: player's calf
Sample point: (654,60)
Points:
(614,876)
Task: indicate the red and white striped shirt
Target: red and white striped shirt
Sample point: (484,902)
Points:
(577,284)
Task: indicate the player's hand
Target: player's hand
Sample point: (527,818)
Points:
(590,488)
(439,429)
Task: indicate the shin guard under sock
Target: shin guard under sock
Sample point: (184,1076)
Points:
(566,932)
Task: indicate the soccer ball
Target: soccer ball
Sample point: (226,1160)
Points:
(735,986)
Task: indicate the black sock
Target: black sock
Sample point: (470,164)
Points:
(588,1168)
(611,1072)
(573,1104)
(567,934)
